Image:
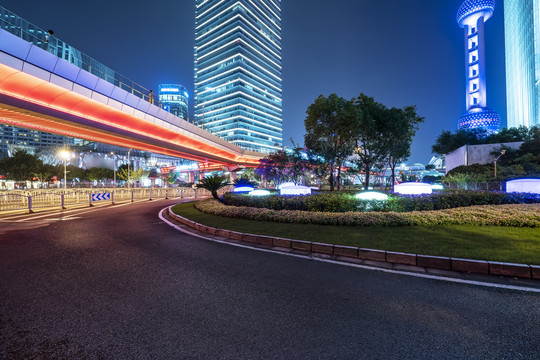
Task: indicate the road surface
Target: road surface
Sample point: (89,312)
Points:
(119,283)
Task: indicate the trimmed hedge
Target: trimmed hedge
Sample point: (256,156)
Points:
(347,202)
(522,215)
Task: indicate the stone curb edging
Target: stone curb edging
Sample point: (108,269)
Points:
(400,258)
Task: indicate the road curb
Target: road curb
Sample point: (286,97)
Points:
(522,271)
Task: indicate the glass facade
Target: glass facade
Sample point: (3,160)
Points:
(472,16)
(522,41)
(174,98)
(238,78)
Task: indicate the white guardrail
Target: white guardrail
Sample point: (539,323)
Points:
(60,198)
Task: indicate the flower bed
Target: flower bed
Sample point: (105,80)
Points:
(519,215)
(347,202)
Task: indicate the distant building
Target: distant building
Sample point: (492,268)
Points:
(475,154)
(238,77)
(471,16)
(522,43)
(14,138)
(175,99)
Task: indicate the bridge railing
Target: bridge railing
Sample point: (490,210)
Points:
(60,198)
(27,31)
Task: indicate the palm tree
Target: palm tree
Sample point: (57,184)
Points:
(213,184)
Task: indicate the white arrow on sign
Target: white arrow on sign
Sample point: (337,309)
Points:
(101,196)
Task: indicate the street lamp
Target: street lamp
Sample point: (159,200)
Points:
(495,163)
(129,173)
(64,154)
(114,167)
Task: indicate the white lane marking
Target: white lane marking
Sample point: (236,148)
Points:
(365,267)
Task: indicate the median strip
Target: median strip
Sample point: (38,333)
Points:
(425,261)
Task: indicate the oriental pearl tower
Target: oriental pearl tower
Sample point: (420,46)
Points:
(471,16)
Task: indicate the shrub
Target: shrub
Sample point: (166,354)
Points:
(346,201)
(522,215)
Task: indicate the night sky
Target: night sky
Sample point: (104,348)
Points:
(401,52)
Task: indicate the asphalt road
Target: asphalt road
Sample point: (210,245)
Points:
(118,283)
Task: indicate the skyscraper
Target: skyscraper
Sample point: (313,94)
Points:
(238,71)
(174,99)
(471,16)
(522,42)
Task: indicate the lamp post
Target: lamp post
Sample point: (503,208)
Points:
(114,167)
(65,154)
(129,173)
(495,163)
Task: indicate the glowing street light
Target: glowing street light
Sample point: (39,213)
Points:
(114,159)
(503,151)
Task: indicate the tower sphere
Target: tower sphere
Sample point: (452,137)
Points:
(477,8)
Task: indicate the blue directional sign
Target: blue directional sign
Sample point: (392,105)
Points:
(101,196)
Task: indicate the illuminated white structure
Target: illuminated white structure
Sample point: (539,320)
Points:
(243,189)
(522,45)
(523,186)
(259,193)
(413,188)
(372,195)
(471,16)
(295,190)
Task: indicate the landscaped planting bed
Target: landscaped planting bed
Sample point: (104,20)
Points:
(495,243)
(520,215)
(341,202)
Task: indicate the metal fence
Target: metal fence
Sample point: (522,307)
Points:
(60,198)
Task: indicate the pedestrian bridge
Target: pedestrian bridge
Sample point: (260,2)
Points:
(41,91)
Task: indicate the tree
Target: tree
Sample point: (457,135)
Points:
(448,141)
(371,147)
(273,166)
(21,166)
(130,177)
(280,167)
(213,184)
(251,174)
(402,125)
(332,127)
(46,172)
(171,177)
(96,173)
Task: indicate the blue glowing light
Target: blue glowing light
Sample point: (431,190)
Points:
(475,7)
(523,186)
(485,119)
(413,188)
(243,189)
(372,195)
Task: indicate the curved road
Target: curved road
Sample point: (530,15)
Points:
(118,283)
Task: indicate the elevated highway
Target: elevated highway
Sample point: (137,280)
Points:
(41,91)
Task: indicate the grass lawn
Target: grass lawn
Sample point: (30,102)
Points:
(508,244)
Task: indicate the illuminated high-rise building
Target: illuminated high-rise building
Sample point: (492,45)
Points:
(238,77)
(522,42)
(471,16)
(174,99)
